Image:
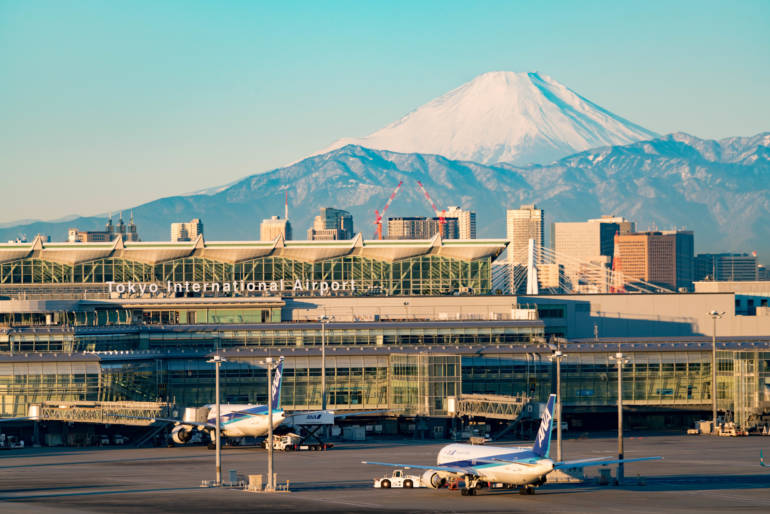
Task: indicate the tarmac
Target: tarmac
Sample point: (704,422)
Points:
(698,474)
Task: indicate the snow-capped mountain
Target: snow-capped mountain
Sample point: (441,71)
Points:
(719,189)
(503,116)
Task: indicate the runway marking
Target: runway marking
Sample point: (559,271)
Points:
(92,493)
(760,501)
(355,504)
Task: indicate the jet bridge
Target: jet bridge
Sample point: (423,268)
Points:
(491,406)
(120,413)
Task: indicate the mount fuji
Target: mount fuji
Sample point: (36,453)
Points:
(501,116)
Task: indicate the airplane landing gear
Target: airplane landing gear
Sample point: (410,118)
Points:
(472,485)
(527,490)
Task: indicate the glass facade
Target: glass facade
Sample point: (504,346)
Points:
(422,275)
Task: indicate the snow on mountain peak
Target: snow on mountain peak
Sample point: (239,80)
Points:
(503,116)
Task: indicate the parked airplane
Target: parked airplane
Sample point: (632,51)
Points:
(479,465)
(250,420)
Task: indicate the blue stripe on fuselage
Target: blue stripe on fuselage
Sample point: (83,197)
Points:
(525,457)
(232,417)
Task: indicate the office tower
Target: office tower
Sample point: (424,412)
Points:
(624,226)
(684,241)
(523,224)
(187,231)
(272,227)
(331,224)
(663,258)
(726,267)
(422,228)
(466,221)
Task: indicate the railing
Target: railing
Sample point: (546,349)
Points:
(491,405)
(123,413)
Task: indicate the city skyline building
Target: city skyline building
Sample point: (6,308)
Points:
(186,231)
(523,224)
(726,267)
(111,232)
(331,224)
(466,221)
(274,226)
(420,227)
(660,257)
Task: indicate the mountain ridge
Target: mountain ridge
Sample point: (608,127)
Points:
(717,188)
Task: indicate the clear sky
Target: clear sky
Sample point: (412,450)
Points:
(105,105)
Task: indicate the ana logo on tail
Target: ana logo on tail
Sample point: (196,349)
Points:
(276,386)
(543,440)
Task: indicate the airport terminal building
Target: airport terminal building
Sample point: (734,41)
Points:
(406,325)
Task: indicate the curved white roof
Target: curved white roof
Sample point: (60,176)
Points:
(237,251)
(14,251)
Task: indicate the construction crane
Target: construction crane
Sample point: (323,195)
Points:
(378,217)
(439,215)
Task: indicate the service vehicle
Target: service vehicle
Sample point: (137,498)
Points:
(399,478)
(293,442)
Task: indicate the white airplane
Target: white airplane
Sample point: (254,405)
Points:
(479,465)
(251,420)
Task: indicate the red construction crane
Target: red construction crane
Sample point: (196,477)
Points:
(439,215)
(378,217)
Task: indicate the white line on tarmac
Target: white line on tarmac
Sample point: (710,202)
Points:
(355,504)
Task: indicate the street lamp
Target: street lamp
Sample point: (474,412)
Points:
(620,361)
(714,316)
(324,321)
(217,360)
(271,365)
(557,356)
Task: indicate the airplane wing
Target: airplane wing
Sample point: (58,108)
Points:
(450,469)
(583,463)
(23,418)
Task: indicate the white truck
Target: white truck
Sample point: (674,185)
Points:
(399,478)
(293,442)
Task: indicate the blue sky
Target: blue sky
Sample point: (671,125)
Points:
(105,105)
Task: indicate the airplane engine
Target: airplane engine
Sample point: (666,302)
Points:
(181,434)
(432,479)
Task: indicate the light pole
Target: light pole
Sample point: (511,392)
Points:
(557,355)
(218,360)
(714,316)
(324,320)
(620,361)
(271,364)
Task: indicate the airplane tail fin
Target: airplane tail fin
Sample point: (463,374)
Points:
(543,441)
(275,390)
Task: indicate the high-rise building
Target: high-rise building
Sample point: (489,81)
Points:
(422,228)
(110,232)
(663,258)
(272,227)
(187,231)
(466,221)
(331,224)
(624,226)
(523,224)
(685,257)
(726,267)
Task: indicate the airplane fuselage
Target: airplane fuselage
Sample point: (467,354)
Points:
(493,463)
(245,420)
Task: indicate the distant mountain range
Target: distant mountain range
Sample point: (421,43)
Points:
(720,189)
(501,116)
